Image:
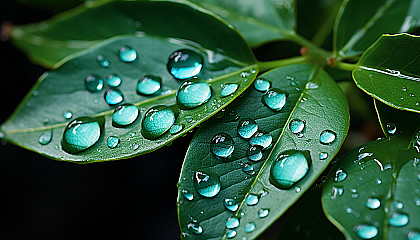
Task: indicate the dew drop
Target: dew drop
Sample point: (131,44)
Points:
(195,228)
(297,126)
(417,201)
(290,167)
(157,121)
(297,189)
(124,115)
(312,85)
(327,137)
(263,212)
(323,156)
(187,194)
(192,94)
(222,145)
(113,80)
(232,222)
(261,139)
(231,204)
(391,128)
(413,235)
(45,138)
(398,205)
(275,99)
(373,203)
(254,153)
(228,89)
(176,129)
(135,146)
(80,134)
(336,191)
(102,61)
(249,227)
(378,181)
(248,169)
(398,219)
(127,54)
(262,84)
(340,175)
(149,85)
(184,63)
(67,115)
(231,234)
(252,199)
(189,119)
(206,184)
(113,96)
(247,128)
(365,231)
(94,83)
(112,141)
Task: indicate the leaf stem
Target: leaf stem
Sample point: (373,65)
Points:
(345,66)
(264,66)
(313,52)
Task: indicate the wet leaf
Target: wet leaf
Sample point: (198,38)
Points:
(312,97)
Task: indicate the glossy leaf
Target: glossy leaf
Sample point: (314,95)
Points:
(50,41)
(314,98)
(360,23)
(412,20)
(45,109)
(389,71)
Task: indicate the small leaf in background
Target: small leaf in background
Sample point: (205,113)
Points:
(412,20)
(247,165)
(133,94)
(389,71)
(373,191)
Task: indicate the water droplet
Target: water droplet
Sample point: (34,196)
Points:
(228,89)
(231,204)
(184,63)
(80,134)
(232,222)
(112,141)
(373,203)
(262,84)
(340,175)
(206,184)
(248,169)
(247,128)
(263,212)
(327,137)
(124,115)
(378,181)
(187,194)
(113,96)
(363,155)
(417,201)
(349,210)
(323,156)
(336,191)
(398,219)
(195,228)
(297,126)
(365,231)
(391,128)
(67,115)
(231,234)
(261,139)
(254,153)
(189,119)
(290,167)
(157,121)
(94,83)
(176,129)
(398,205)
(149,85)
(102,61)
(222,145)
(113,80)
(135,146)
(252,199)
(312,85)
(275,99)
(45,138)
(249,227)
(413,235)
(127,54)
(297,189)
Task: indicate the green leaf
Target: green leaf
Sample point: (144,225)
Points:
(360,23)
(314,98)
(389,71)
(412,20)
(378,182)
(50,41)
(62,90)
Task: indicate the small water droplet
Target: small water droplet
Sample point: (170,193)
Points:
(113,96)
(323,156)
(188,195)
(195,228)
(127,54)
(249,227)
(378,181)
(336,191)
(45,138)
(327,137)
(363,155)
(80,134)
(275,99)
(263,212)
(102,61)
(149,85)
(413,235)
(206,184)
(297,126)
(340,175)
(192,93)
(94,83)
(297,189)
(184,63)
(228,89)
(373,203)
(124,115)
(231,204)
(404,89)
(245,74)
(157,121)
(67,115)
(135,146)
(391,128)
(232,222)
(176,128)
(349,210)
(398,205)
(261,139)
(252,199)
(289,168)
(113,80)
(231,234)
(417,201)
(365,231)
(247,128)
(312,85)
(189,119)
(248,169)
(254,153)
(262,84)
(112,141)
(398,219)
(222,145)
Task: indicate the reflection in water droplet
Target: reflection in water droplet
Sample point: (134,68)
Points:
(398,205)
(113,96)
(112,141)
(297,126)
(378,181)
(312,85)
(336,191)
(363,155)
(249,227)
(228,89)
(80,134)
(365,231)
(327,137)
(187,194)
(373,203)
(102,61)
(275,99)
(157,121)
(206,184)
(252,199)
(222,145)
(254,153)
(231,204)
(413,235)
(262,213)
(247,128)
(248,169)
(232,222)
(340,175)
(290,167)
(195,228)
(127,54)
(67,115)
(262,84)
(231,234)
(398,219)
(149,85)
(94,83)
(391,128)
(45,138)
(323,156)
(297,189)
(261,139)
(113,80)
(192,93)
(124,115)
(176,129)
(184,63)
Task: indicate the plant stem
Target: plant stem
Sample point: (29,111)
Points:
(345,66)
(314,54)
(264,66)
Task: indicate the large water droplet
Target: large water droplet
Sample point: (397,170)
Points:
(187,194)
(373,203)
(113,80)
(80,134)
(149,85)
(247,128)
(275,99)
(232,222)
(157,121)
(261,139)
(262,213)
(102,61)
(398,219)
(391,128)
(262,84)
(192,93)
(249,227)
(228,89)
(94,83)
(254,153)
(195,228)
(365,231)
(323,156)
(124,115)
(290,167)
(297,126)
(340,175)
(413,235)
(127,54)
(184,63)
(231,204)
(222,145)
(327,137)
(112,141)
(206,184)
(231,234)
(252,199)
(67,115)
(113,96)
(45,138)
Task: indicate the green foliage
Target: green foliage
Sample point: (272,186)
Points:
(290,112)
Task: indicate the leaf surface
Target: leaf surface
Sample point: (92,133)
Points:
(312,97)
